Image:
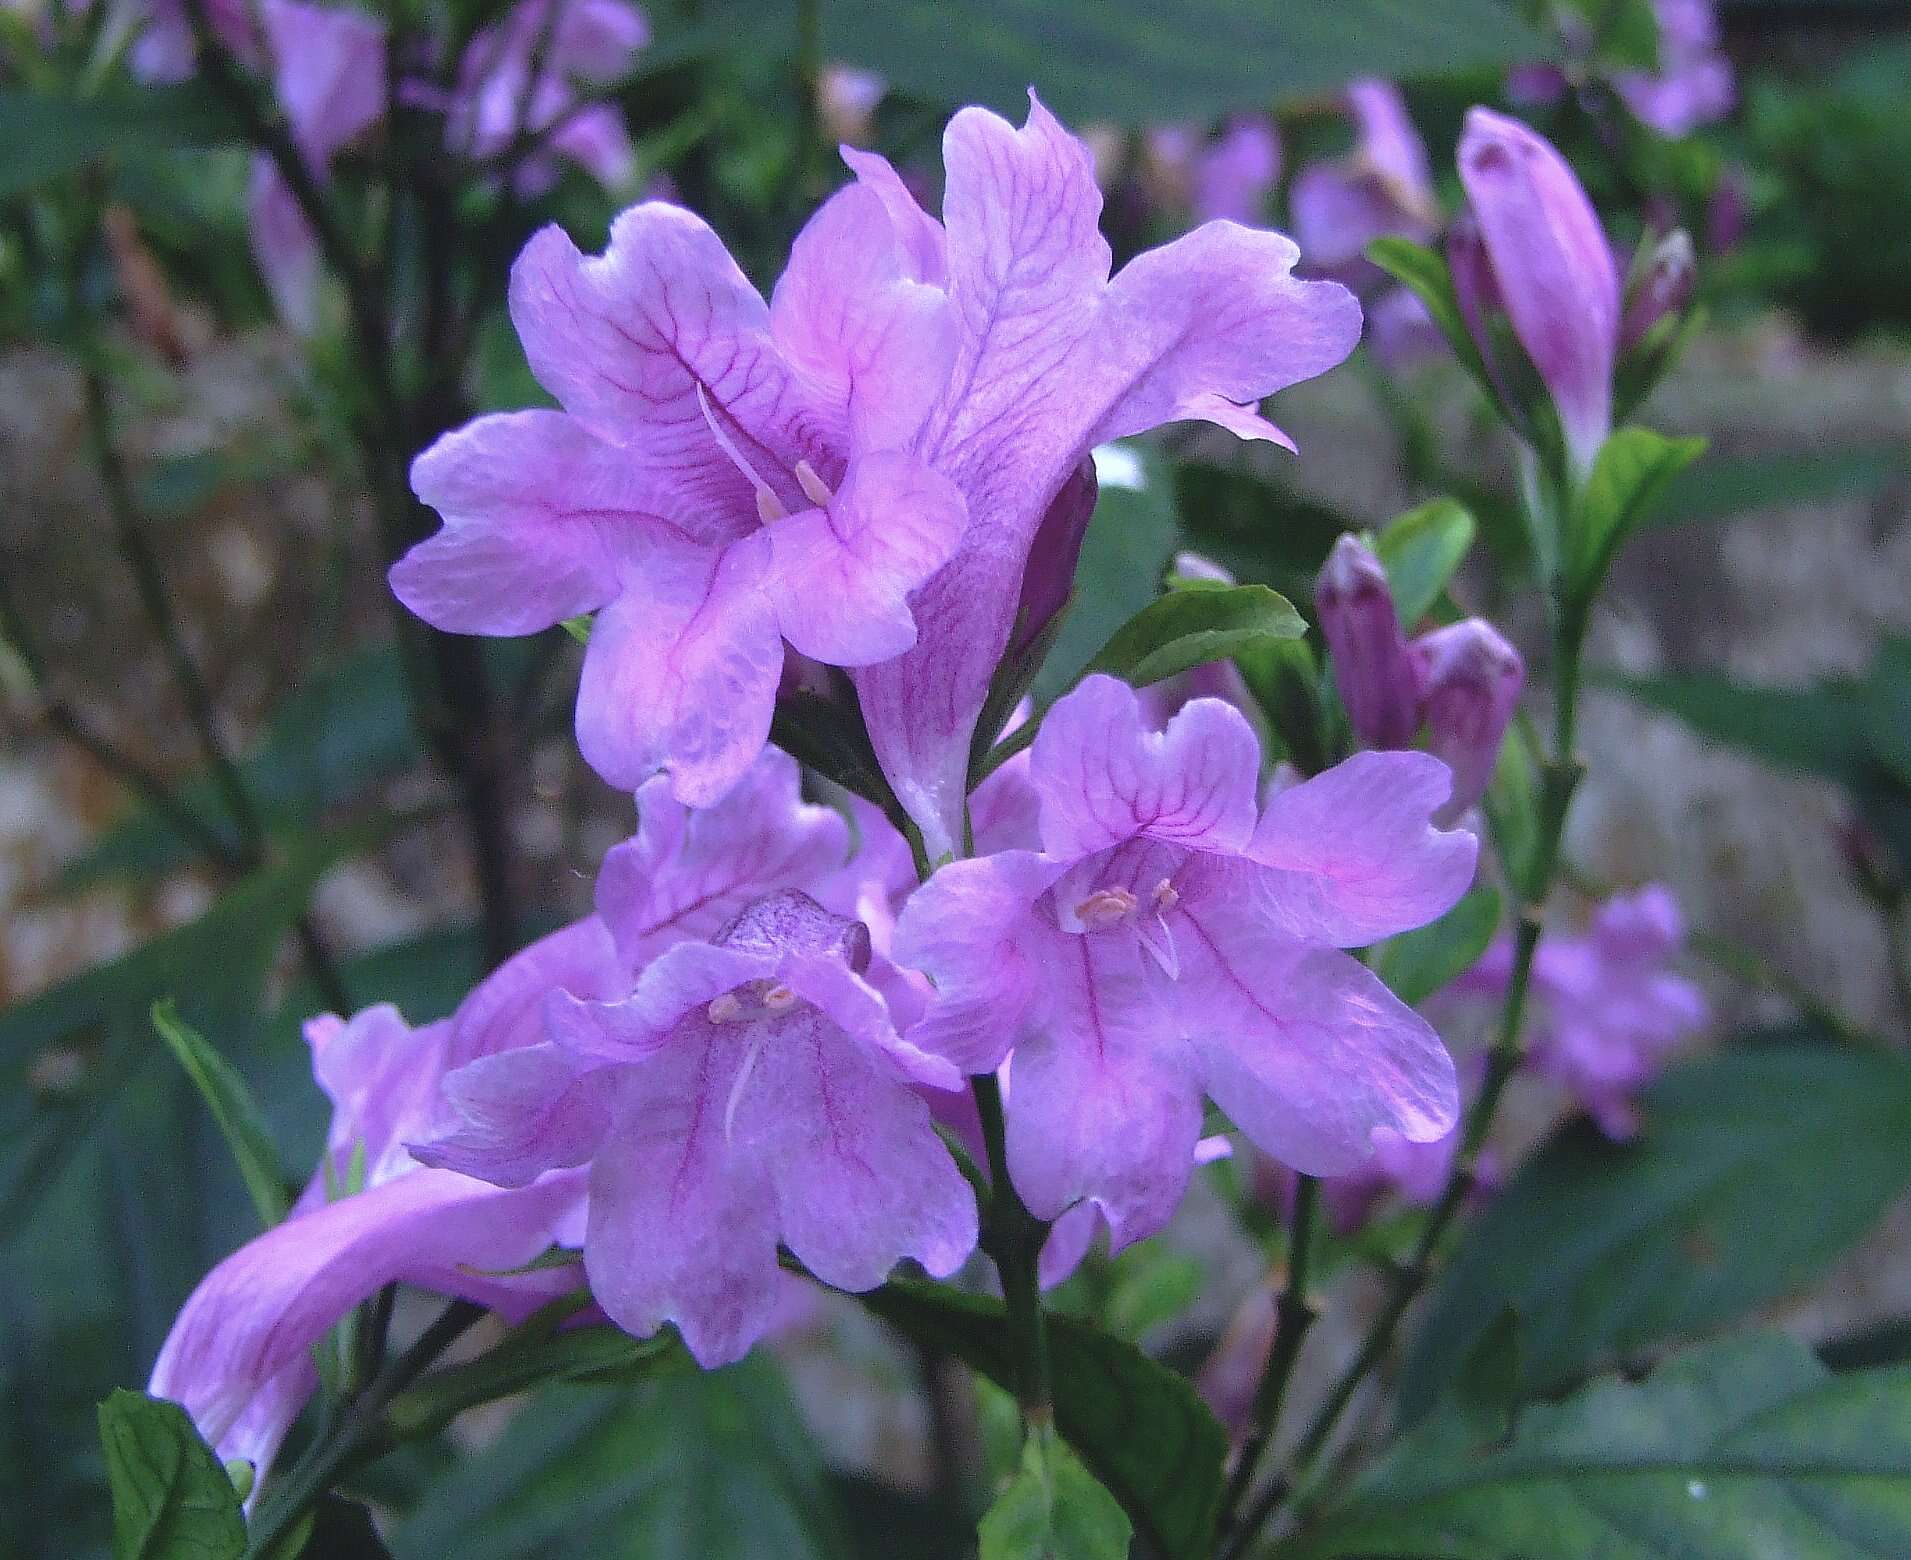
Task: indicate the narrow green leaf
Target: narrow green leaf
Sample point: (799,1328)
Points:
(233,1108)
(46,136)
(1053,1510)
(1424,273)
(1820,730)
(1140,1429)
(1609,1249)
(1746,1447)
(1420,552)
(1416,964)
(171,1498)
(1720,487)
(1632,470)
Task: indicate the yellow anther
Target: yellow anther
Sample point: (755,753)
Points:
(725,1009)
(1165,896)
(777,998)
(1105,907)
(815,489)
(768,506)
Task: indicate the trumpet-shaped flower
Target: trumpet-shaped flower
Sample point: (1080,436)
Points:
(751,1090)
(239,1356)
(858,468)
(1172,938)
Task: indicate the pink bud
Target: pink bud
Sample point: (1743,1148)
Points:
(1049,575)
(1552,267)
(1471,680)
(1372,669)
(1662,286)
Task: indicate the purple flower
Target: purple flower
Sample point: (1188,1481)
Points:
(1662,287)
(1172,939)
(1235,174)
(751,1090)
(1693,85)
(1606,1009)
(239,1357)
(727,477)
(1543,257)
(1382,187)
(1377,679)
(1470,680)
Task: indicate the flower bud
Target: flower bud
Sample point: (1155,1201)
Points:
(1470,679)
(1660,287)
(1551,266)
(1049,575)
(1372,669)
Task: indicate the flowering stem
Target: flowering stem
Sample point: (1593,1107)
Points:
(1292,1317)
(1013,1238)
(1559,779)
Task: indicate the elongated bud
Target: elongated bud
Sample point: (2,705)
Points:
(1659,288)
(1372,669)
(1551,266)
(1470,679)
(1049,575)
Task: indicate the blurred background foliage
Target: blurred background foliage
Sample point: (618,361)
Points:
(242,462)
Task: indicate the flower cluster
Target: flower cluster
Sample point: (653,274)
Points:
(747,1048)
(513,91)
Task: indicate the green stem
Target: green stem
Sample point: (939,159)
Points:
(1013,1238)
(1530,886)
(1292,1317)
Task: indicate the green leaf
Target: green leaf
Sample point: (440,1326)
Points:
(171,1498)
(1606,1250)
(1820,730)
(1420,552)
(1416,964)
(46,136)
(1511,805)
(1262,530)
(1140,1429)
(232,1107)
(692,1466)
(1625,33)
(1140,61)
(1195,625)
(1425,274)
(1053,1510)
(1633,468)
(1720,487)
(1747,1447)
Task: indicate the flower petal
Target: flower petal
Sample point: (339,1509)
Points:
(538,512)
(871,342)
(1102,1106)
(238,1358)
(1352,855)
(686,872)
(682,1229)
(971,929)
(635,343)
(1212,324)
(861,1178)
(506,1009)
(1304,1048)
(520,1113)
(681,672)
(1103,777)
(842,575)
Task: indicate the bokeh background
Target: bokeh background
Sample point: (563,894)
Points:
(1748,737)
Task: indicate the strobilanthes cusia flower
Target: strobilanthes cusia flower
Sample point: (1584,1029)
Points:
(1172,938)
(857,468)
(1460,683)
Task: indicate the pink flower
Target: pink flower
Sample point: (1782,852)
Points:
(1605,1008)
(1234,176)
(239,1357)
(751,1090)
(728,477)
(1693,85)
(1171,939)
(1372,668)
(1533,246)
(1382,187)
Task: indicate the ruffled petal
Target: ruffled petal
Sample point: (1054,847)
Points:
(520,1113)
(1304,1048)
(1103,777)
(1352,855)
(681,672)
(841,575)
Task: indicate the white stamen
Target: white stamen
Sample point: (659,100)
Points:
(778,998)
(1105,907)
(1165,896)
(725,1009)
(768,506)
(815,489)
(736,1089)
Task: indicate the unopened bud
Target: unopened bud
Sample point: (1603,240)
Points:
(1470,679)
(1372,669)
(1660,287)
